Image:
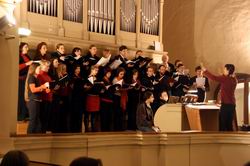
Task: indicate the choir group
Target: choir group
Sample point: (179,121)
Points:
(107,92)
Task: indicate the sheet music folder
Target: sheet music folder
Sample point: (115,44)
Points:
(59,82)
(115,64)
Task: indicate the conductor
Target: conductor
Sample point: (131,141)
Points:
(228,84)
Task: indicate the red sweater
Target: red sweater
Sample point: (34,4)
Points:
(43,77)
(23,68)
(227,87)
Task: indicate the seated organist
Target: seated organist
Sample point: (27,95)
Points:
(144,114)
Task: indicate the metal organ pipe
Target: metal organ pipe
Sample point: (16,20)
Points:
(92,11)
(112,16)
(128,13)
(96,15)
(49,7)
(45,7)
(150,17)
(102,16)
(109,16)
(73,10)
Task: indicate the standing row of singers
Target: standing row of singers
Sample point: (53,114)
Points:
(56,90)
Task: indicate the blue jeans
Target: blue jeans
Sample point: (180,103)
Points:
(34,112)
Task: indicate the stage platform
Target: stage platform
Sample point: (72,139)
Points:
(137,148)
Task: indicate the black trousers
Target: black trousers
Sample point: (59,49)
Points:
(60,115)
(106,114)
(23,112)
(201,95)
(76,116)
(119,115)
(45,116)
(227,112)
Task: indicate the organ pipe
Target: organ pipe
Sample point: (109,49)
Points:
(101,16)
(150,16)
(45,7)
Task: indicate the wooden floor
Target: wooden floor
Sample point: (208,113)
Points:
(22,127)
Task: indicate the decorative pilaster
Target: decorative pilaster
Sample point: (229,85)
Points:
(85,20)
(246,100)
(60,18)
(23,14)
(117,22)
(138,23)
(161,23)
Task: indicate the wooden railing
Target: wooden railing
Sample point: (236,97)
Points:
(141,149)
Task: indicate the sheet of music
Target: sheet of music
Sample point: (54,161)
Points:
(119,82)
(91,79)
(103,61)
(115,64)
(200,81)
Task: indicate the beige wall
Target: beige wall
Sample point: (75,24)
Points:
(8,88)
(178,30)
(214,32)
(9,82)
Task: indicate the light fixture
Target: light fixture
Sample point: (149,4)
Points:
(24,31)
(11,19)
(7,18)
(7,13)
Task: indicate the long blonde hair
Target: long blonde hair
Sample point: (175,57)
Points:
(31,71)
(61,70)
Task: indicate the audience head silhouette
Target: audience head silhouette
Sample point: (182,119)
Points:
(86,161)
(15,158)
(247,164)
